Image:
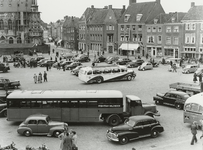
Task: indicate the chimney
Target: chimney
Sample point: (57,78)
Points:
(92,6)
(158,1)
(192,4)
(110,6)
(123,10)
(105,7)
(132,2)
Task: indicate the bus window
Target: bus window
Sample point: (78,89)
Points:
(115,70)
(82,104)
(96,72)
(74,104)
(14,104)
(65,104)
(107,71)
(92,104)
(89,72)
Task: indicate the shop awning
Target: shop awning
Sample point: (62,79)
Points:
(128,46)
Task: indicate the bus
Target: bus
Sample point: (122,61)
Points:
(193,109)
(108,106)
(100,74)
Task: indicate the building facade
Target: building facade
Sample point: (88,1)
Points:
(20,22)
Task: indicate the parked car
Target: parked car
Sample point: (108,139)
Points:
(199,71)
(4,67)
(72,65)
(3,110)
(82,58)
(47,62)
(133,128)
(101,58)
(67,55)
(123,61)
(175,98)
(75,71)
(145,66)
(135,63)
(112,59)
(65,63)
(190,68)
(42,61)
(40,124)
(11,84)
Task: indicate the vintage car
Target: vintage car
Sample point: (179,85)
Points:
(82,58)
(145,66)
(47,62)
(111,60)
(190,68)
(4,67)
(3,110)
(75,71)
(67,55)
(10,84)
(135,63)
(133,128)
(40,124)
(199,71)
(174,98)
(101,58)
(123,61)
(72,65)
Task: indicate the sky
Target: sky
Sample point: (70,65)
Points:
(53,10)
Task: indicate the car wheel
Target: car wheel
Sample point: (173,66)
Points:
(154,133)
(157,102)
(99,80)
(123,140)
(114,120)
(56,133)
(5,113)
(27,133)
(188,72)
(143,69)
(178,106)
(129,78)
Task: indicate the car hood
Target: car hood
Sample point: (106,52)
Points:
(160,94)
(123,127)
(56,123)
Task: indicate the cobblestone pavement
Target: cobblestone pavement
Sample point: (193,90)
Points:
(91,136)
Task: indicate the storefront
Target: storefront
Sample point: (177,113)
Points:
(128,49)
(172,51)
(154,51)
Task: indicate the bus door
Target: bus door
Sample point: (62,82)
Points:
(69,111)
(74,111)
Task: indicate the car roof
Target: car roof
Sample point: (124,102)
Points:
(37,116)
(141,118)
(177,92)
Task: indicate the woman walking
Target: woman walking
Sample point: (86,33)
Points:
(195,77)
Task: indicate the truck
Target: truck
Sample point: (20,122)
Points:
(189,88)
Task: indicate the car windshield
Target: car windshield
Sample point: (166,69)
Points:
(131,123)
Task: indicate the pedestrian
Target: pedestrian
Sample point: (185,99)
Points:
(53,50)
(45,76)
(174,67)
(194,132)
(93,64)
(40,78)
(74,140)
(35,78)
(56,59)
(171,63)
(200,78)
(67,142)
(201,121)
(195,77)
(58,66)
(64,68)
(50,58)
(47,66)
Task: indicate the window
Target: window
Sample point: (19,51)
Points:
(127,28)
(159,39)
(127,16)
(168,40)
(187,26)
(138,17)
(153,29)
(187,38)
(175,41)
(176,29)
(193,39)
(134,37)
(41,122)
(122,38)
(168,29)
(201,38)
(32,122)
(148,29)
(1,25)
(10,26)
(193,25)
(122,27)
(159,29)
(133,27)
(150,39)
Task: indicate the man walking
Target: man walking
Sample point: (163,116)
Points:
(45,76)
(35,78)
(194,132)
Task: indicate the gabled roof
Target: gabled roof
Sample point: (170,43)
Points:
(149,10)
(161,18)
(73,22)
(194,13)
(98,16)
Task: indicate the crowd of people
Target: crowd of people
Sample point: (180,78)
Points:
(38,79)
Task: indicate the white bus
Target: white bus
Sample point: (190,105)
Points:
(76,105)
(193,109)
(101,74)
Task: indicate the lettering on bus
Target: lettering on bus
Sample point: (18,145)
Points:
(109,105)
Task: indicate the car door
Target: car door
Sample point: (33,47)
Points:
(167,98)
(139,128)
(32,124)
(42,127)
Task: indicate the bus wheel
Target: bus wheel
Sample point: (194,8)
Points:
(56,133)
(178,106)
(114,120)
(99,80)
(27,133)
(129,78)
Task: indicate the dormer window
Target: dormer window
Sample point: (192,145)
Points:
(127,16)
(155,21)
(172,19)
(138,17)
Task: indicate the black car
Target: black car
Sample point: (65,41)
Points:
(123,61)
(6,83)
(82,58)
(101,58)
(4,67)
(175,98)
(133,128)
(111,60)
(72,65)
(47,62)
(135,63)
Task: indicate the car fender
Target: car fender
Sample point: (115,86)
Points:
(158,128)
(157,98)
(5,109)
(129,134)
(21,130)
(51,131)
